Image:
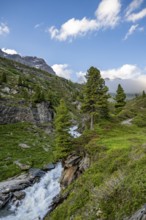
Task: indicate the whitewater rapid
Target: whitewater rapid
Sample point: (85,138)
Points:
(74,131)
(38,197)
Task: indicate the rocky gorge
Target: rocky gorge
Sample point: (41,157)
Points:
(14,190)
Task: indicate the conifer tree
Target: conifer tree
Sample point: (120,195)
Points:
(20,81)
(120,99)
(143,94)
(39,95)
(95,102)
(62,126)
(4,78)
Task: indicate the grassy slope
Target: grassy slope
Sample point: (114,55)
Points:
(39,153)
(53,86)
(11,135)
(115,183)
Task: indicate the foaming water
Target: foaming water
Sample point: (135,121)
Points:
(73,131)
(38,197)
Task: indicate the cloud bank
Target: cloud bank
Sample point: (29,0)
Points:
(126,71)
(131,77)
(62,70)
(9,51)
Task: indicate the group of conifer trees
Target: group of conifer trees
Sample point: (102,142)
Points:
(95,104)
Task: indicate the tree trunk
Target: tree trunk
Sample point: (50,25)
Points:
(91,123)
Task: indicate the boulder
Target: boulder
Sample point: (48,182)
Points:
(19,195)
(35,172)
(6,89)
(72,160)
(49,166)
(68,176)
(22,166)
(84,164)
(4,198)
(74,165)
(139,215)
(24,146)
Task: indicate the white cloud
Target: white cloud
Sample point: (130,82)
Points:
(81,77)
(62,70)
(38,25)
(107,13)
(127,71)
(132,78)
(73,28)
(4,29)
(9,51)
(135,4)
(132,29)
(137,16)
(129,85)
(107,16)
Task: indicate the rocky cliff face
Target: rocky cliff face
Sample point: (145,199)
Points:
(11,112)
(74,165)
(36,62)
(139,215)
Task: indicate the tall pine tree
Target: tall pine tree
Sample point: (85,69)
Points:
(95,102)
(4,78)
(62,126)
(120,99)
(39,95)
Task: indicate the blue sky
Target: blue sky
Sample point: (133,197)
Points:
(73,35)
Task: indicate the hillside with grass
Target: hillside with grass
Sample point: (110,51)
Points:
(114,186)
(28,98)
(113,139)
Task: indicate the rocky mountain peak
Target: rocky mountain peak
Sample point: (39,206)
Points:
(31,61)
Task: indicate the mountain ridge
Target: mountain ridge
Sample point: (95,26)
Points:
(31,61)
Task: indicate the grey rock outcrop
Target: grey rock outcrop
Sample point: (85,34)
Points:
(10,113)
(35,172)
(23,167)
(74,165)
(12,185)
(36,62)
(19,195)
(139,215)
(24,146)
(49,167)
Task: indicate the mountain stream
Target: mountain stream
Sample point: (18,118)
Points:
(38,198)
